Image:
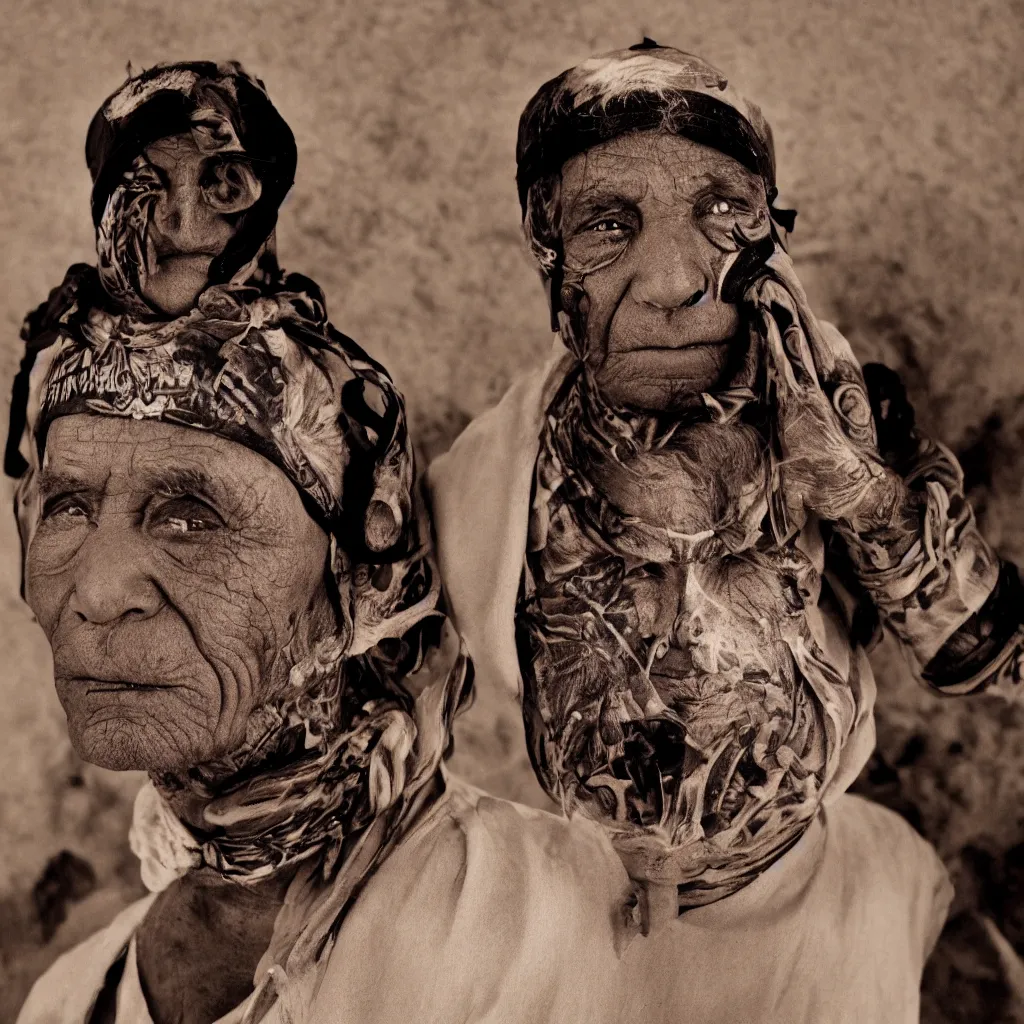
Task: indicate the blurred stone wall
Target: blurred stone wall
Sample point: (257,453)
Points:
(898,133)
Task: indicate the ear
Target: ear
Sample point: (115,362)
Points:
(230,186)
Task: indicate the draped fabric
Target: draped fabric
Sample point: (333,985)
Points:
(336,767)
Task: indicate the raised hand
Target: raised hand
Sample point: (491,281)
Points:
(825,436)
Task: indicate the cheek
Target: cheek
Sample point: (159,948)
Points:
(48,576)
(598,296)
(227,603)
(243,604)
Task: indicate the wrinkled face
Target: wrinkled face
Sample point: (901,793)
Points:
(178,577)
(649,221)
(195,215)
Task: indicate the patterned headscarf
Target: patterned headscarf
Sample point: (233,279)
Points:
(335,768)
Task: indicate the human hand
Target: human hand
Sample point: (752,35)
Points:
(825,433)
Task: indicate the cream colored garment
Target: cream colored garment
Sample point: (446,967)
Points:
(494,913)
(839,928)
(835,932)
(487,912)
(491,913)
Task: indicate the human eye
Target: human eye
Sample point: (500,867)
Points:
(599,238)
(607,225)
(229,186)
(183,515)
(66,509)
(720,205)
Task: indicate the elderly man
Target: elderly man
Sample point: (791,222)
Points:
(669,539)
(224,546)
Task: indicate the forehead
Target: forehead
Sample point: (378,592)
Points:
(140,453)
(636,163)
(174,149)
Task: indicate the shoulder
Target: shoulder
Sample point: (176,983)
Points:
(480,857)
(513,424)
(488,904)
(534,850)
(64,993)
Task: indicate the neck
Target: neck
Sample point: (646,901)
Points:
(200,944)
(207,886)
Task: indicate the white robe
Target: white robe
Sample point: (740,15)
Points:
(492,913)
(850,944)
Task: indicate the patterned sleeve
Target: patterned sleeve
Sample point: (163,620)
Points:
(934,580)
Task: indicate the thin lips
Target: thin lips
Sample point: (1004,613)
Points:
(101,683)
(163,250)
(672,348)
(165,253)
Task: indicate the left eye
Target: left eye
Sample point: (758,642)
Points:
(186,515)
(607,225)
(721,206)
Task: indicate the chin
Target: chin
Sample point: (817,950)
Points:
(133,730)
(176,284)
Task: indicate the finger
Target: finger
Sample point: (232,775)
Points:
(792,351)
(779,364)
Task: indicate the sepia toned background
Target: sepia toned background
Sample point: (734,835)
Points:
(898,134)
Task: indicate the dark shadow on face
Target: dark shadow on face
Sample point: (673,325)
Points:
(195,215)
(177,577)
(649,221)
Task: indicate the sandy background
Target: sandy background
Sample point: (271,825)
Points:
(898,132)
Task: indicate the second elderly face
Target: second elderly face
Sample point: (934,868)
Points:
(194,216)
(648,223)
(177,577)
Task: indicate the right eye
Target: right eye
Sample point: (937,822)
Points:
(600,241)
(607,225)
(66,508)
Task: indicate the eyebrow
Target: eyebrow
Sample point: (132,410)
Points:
(597,196)
(174,480)
(53,482)
(187,480)
(728,178)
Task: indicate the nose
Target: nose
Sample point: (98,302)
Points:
(111,580)
(670,272)
(167,213)
(181,215)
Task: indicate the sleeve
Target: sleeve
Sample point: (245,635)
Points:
(955,605)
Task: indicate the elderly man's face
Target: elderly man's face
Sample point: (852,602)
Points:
(648,221)
(193,219)
(178,577)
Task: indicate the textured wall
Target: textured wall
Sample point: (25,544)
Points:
(899,138)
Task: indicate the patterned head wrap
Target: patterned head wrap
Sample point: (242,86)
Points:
(336,767)
(228,113)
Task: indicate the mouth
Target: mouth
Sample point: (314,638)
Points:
(93,684)
(163,258)
(162,251)
(686,346)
